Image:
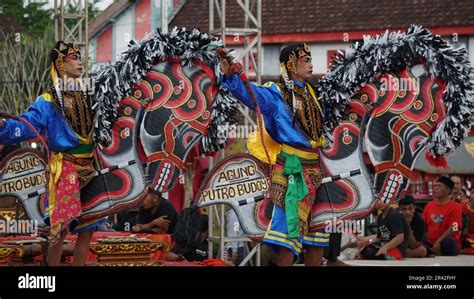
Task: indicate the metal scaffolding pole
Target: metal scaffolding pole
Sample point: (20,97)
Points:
(250,36)
(164,16)
(71,24)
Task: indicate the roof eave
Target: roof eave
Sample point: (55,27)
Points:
(103,20)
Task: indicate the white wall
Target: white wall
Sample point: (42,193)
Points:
(92,54)
(123,31)
(319,54)
(271,60)
(271,55)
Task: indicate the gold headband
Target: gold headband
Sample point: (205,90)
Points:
(64,51)
(295,55)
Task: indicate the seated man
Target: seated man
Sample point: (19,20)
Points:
(193,252)
(156,215)
(126,220)
(443,220)
(468,211)
(391,240)
(417,227)
(196,251)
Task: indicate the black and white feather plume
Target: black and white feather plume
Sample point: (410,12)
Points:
(392,52)
(113,82)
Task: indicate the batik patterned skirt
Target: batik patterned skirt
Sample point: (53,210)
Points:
(277,233)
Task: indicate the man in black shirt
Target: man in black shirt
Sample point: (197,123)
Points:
(193,252)
(156,215)
(392,237)
(417,227)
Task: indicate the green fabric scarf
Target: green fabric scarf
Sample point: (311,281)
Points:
(81,149)
(296,191)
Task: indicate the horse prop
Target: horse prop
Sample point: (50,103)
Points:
(159,103)
(394,96)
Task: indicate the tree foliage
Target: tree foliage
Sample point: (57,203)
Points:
(24,62)
(34,18)
(24,71)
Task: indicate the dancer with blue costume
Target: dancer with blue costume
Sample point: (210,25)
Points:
(65,117)
(293,133)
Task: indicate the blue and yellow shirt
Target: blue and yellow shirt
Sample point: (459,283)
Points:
(278,118)
(46,117)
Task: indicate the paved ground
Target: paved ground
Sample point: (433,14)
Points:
(460,260)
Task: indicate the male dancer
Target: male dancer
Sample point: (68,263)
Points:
(65,116)
(293,119)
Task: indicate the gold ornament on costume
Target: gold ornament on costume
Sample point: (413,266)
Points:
(291,64)
(59,64)
(64,50)
(295,55)
(308,114)
(75,106)
(306,49)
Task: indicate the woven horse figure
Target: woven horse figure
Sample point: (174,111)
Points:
(409,92)
(173,104)
(154,106)
(394,95)
(389,118)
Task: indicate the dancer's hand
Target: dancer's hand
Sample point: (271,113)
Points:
(225,65)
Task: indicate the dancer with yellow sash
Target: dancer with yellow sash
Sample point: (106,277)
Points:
(64,115)
(293,125)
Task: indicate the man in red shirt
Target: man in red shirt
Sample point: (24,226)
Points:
(443,220)
(468,211)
